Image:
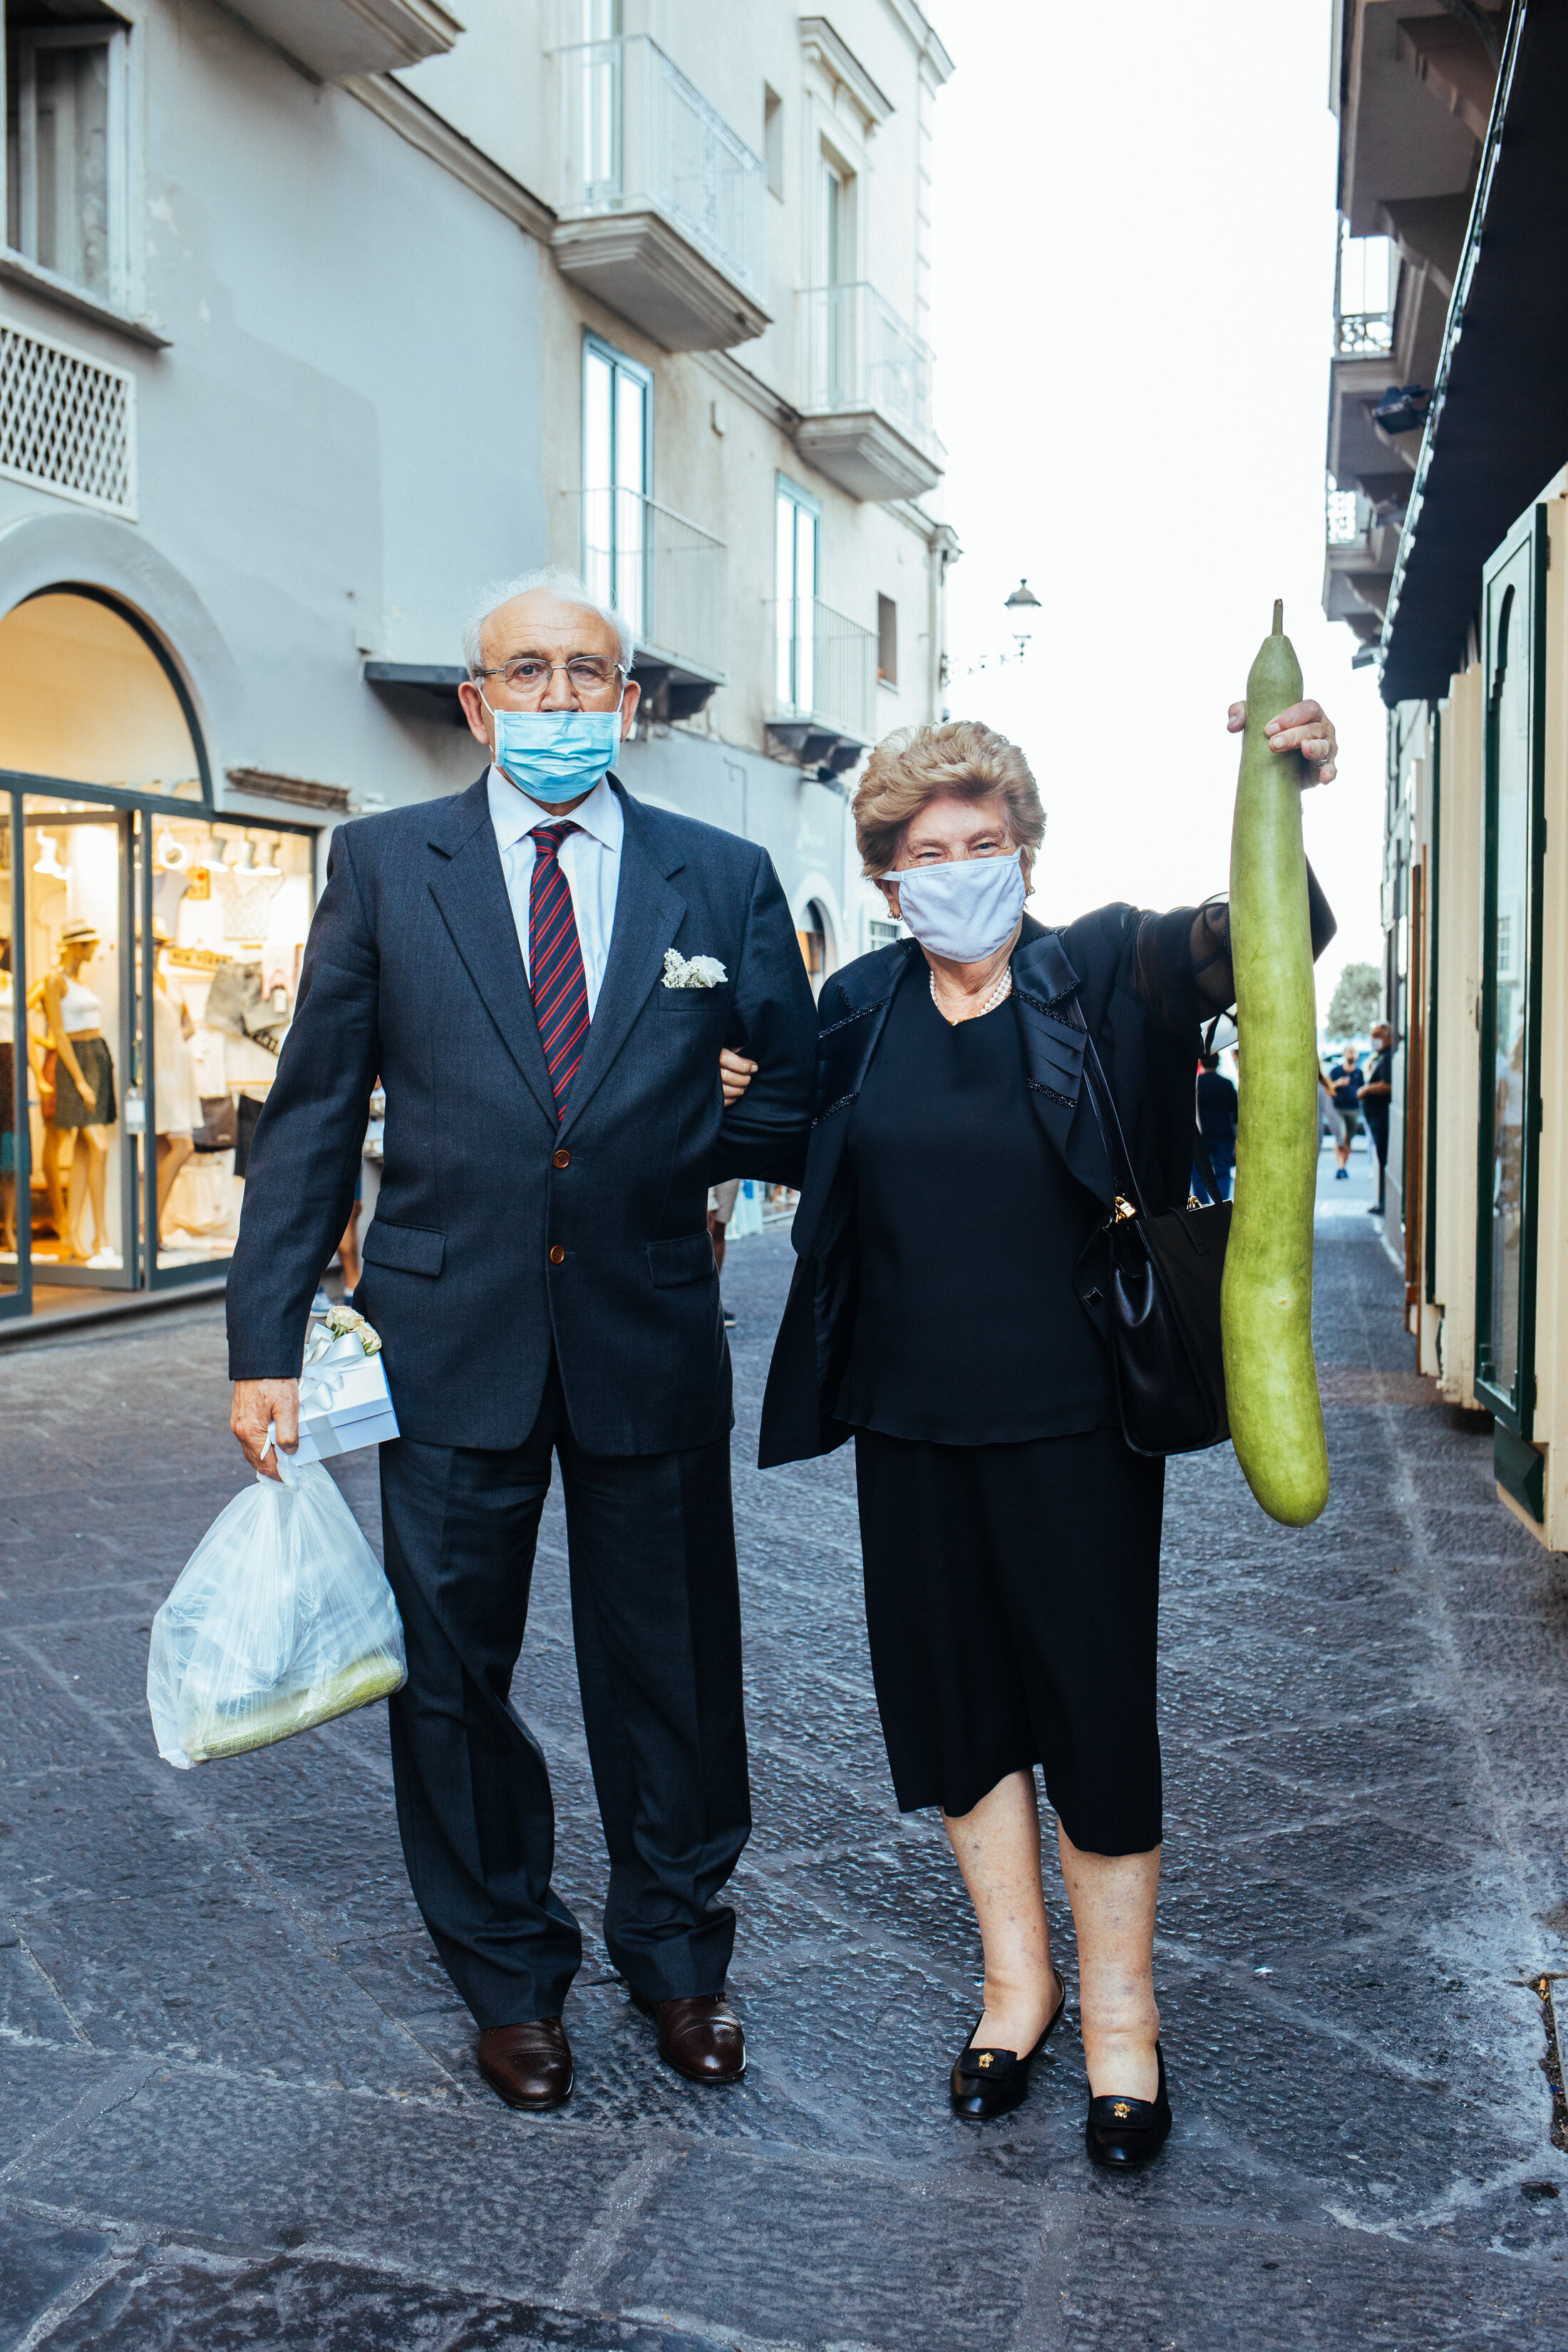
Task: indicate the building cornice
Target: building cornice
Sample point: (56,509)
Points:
(435,137)
(751,389)
(833,57)
(935,64)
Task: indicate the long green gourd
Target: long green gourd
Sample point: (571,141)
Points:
(1265,1307)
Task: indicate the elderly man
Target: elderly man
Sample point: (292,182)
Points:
(1374,1100)
(516,962)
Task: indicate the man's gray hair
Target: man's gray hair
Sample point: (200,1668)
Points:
(570,586)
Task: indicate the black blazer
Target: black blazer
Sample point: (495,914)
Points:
(1130,978)
(412,972)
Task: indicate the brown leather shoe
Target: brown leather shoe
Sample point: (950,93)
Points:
(701,2036)
(528,2066)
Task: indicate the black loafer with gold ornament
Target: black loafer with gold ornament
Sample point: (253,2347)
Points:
(1124,2133)
(990,2082)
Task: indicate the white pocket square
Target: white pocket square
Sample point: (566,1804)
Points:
(693,972)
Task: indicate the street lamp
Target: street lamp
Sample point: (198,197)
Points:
(1020,603)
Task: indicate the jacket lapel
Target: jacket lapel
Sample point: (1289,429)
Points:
(648,913)
(1044,986)
(469,888)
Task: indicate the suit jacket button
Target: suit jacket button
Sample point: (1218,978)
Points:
(557,1255)
(561,1160)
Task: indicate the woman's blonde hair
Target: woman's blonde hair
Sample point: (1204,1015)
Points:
(960,758)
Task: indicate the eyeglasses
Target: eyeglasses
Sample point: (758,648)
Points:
(530,674)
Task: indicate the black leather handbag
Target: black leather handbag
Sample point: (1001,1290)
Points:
(1162,1307)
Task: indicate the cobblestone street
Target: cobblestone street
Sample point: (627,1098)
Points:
(240,2104)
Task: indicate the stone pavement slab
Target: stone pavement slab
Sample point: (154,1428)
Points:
(237,2100)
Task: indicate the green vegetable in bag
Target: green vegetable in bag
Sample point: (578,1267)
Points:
(1265,1306)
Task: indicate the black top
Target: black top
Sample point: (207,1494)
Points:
(1380,1074)
(1216,1107)
(968,1330)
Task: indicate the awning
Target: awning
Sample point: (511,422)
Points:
(1497,429)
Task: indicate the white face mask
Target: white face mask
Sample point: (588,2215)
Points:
(964,909)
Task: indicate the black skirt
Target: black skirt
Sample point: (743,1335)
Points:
(97,1066)
(1012,1603)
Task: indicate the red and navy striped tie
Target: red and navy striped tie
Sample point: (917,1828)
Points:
(556,961)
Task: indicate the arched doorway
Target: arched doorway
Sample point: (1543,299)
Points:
(149,951)
(89,696)
(814,933)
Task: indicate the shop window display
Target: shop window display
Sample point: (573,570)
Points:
(73,883)
(149,952)
(231,907)
(8,1064)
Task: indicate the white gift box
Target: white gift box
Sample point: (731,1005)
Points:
(344,1402)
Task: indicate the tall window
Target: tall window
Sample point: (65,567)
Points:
(795,559)
(886,641)
(833,210)
(617,453)
(65,133)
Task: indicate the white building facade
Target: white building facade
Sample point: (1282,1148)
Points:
(315,317)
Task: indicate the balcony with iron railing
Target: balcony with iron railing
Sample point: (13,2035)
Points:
(826,685)
(865,395)
(1360,540)
(1367,290)
(669,580)
(662,206)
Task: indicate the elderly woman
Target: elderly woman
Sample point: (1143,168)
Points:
(957,1174)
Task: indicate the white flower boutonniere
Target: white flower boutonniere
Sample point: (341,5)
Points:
(694,971)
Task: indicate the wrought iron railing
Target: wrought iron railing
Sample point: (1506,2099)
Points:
(860,354)
(1364,334)
(634,131)
(827,666)
(666,576)
(1346,515)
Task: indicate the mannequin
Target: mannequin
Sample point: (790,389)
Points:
(177,1105)
(84,1093)
(7,1102)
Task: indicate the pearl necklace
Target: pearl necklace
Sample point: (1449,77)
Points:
(1003,990)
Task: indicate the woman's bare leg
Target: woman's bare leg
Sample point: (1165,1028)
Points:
(998,1851)
(1112,1899)
(96,1182)
(76,1189)
(174,1150)
(59,1216)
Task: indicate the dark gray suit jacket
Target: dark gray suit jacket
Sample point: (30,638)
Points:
(412,972)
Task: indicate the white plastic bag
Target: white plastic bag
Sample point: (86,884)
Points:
(280,1619)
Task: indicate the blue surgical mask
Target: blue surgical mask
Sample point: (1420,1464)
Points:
(555,755)
(963,910)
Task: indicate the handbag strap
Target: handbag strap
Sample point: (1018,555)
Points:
(1093,1071)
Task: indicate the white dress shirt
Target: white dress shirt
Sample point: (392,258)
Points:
(590,859)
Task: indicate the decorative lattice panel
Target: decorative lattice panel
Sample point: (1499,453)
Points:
(66,422)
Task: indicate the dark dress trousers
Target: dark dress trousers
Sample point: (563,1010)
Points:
(943,1311)
(543,1286)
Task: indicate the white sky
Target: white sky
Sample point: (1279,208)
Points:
(1134,242)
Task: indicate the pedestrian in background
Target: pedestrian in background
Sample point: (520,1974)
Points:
(722,1199)
(1373,1099)
(1347,1086)
(1010,1535)
(1217,1125)
(1329,1113)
